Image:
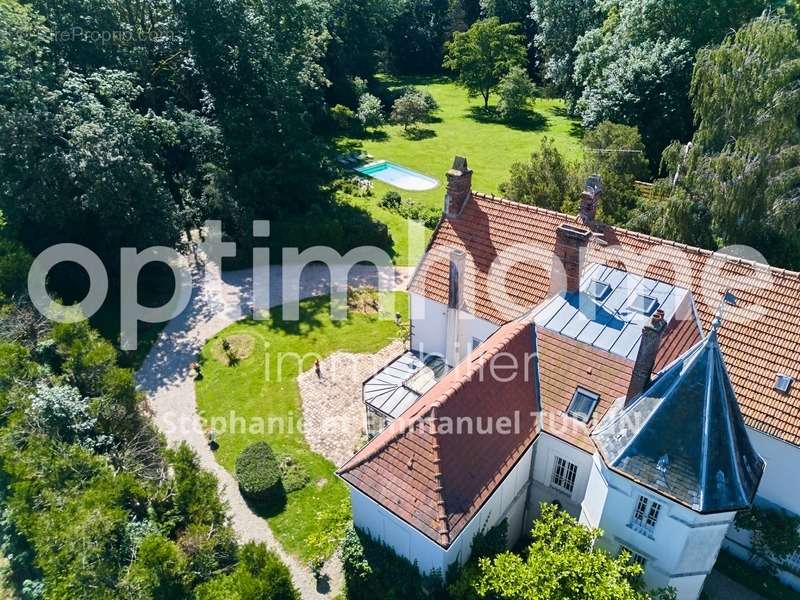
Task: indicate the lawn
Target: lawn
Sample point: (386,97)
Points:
(462,127)
(313,517)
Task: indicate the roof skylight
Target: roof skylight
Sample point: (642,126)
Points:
(643,304)
(583,405)
(783,383)
(599,289)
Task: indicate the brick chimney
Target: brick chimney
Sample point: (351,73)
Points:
(459,188)
(570,251)
(646,359)
(590,199)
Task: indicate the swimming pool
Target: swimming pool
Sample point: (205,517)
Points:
(398,176)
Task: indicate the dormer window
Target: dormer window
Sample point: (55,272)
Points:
(643,304)
(583,404)
(599,289)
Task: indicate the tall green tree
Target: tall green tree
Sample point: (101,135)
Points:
(561,563)
(86,162)
(743,163)
(140,37)
(548,180)
(259,63)
(462,14)
(418,34)
(560,23)
(344,60)
(635,68)
(484,54)
(616,153)
(88,167)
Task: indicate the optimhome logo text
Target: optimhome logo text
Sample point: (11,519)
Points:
(737,268)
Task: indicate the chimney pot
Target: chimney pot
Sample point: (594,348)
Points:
(646,358)
(459,188)
(570,251)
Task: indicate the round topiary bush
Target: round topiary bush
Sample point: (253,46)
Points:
(258,473)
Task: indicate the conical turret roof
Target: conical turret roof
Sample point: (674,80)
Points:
(684,437)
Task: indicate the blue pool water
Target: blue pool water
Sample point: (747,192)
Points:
(398,176)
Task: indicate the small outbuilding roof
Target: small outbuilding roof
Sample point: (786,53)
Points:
(684,437)
(393,389)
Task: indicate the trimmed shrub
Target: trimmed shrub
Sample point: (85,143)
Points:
(258,473)
(343,117)
(516,90)
(391,200)
(412,107)
(294,476)
(410,209)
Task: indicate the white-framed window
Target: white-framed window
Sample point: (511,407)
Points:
(476,342)
(645,516)
(582,405)
(635,557)
(564,475)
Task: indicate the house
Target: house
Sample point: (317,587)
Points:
(644,385)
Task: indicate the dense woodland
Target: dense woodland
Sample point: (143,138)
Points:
(130,122)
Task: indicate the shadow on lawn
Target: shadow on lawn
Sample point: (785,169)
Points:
(529,121)
(576,129)
(419,133)
(310,311)
(268,508)
(394,81)
(370,135)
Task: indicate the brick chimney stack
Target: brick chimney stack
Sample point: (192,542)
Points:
(590,199)
(646,359)
(570,251)
(459,188)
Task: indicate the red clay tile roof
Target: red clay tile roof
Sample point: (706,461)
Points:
(566,364)
(434,478)
(759,339)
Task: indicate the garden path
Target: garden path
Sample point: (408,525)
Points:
(219,300)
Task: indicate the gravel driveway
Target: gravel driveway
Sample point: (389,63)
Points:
(218,301)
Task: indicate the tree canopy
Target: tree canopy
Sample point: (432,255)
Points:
(560,23)
(561,563)
(742,166)
(635,66)
(484,54)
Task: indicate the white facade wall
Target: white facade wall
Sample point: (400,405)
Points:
(778,486)
(781,477)
(548,449)
(684,545)
(508,502)
(429,327)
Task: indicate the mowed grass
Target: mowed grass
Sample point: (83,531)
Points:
(461,127)
(258,390)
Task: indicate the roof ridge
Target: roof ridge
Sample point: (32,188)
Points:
(644,236)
